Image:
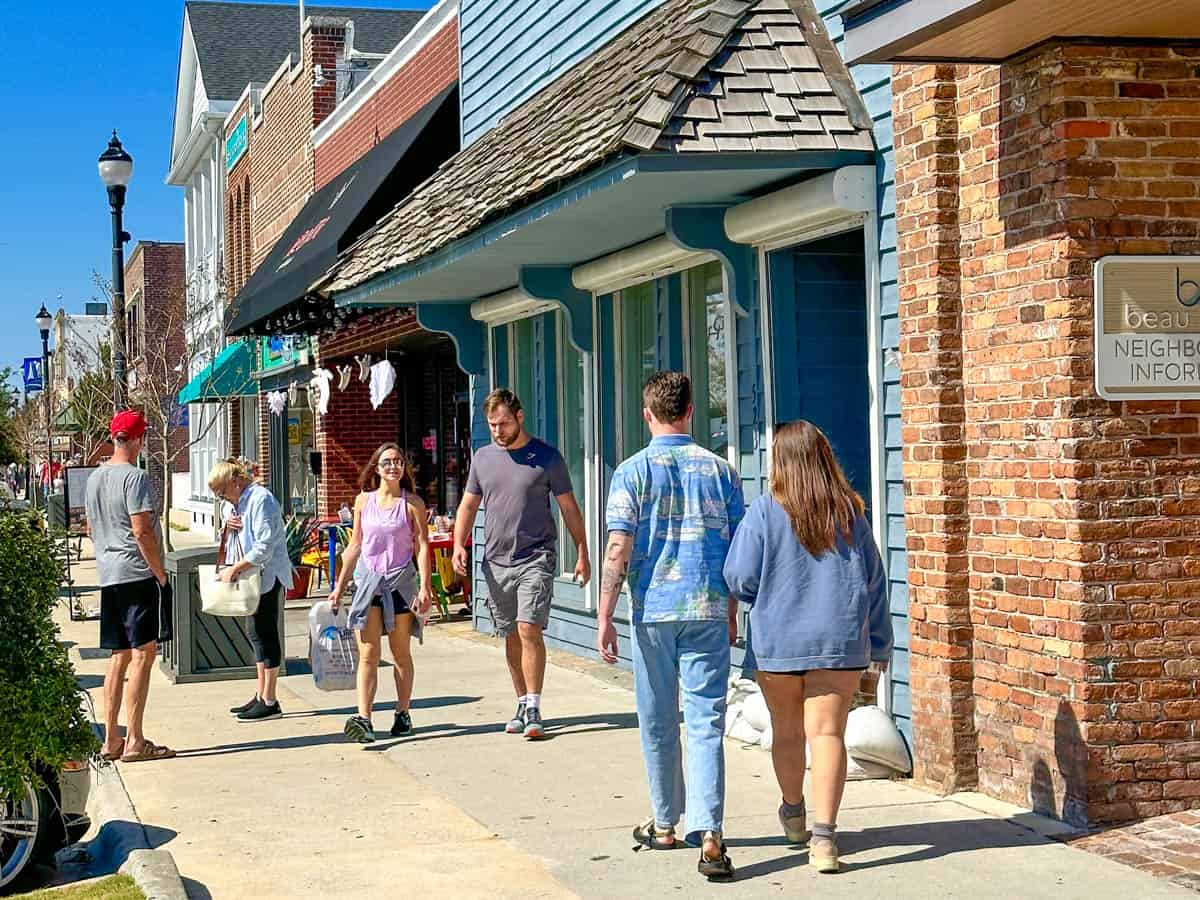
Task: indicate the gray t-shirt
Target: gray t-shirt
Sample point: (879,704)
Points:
(516,486)
(115,492)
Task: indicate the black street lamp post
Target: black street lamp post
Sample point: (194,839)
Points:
(44,321)
(116,168)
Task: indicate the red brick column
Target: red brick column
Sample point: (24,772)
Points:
(1083,516)
(934,453)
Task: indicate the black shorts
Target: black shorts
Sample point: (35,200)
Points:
(129,614)
(399,604)
(836,669)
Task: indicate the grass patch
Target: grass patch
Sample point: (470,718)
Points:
(116,887)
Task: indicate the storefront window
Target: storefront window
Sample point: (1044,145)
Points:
(302,484)
(636,361)
(520,366)
(572,432)
(707,359)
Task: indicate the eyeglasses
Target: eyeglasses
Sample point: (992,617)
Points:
(391,464)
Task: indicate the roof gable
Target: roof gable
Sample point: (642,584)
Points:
(691,76)
(237,43)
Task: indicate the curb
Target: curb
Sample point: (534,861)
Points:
(126,846)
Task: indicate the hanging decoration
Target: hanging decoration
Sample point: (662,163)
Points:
(277,401)
(320,382)
(383,379)
(293,393)
(364,366)
(313,394)
(344,374)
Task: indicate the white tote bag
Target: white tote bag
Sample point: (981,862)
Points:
(237,598)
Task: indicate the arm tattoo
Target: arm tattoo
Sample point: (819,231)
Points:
(612,575)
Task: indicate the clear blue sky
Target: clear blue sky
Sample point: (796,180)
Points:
(73,71)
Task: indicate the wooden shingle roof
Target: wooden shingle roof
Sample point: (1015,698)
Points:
(694,76)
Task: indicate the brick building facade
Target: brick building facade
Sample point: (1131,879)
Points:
(155,342)
(1053,536)
(304,130)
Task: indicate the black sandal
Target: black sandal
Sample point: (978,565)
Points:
(720,869)
(648,835)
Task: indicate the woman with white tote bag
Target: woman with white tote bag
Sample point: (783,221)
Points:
(258,531)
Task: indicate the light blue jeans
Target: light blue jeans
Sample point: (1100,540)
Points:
(695,655)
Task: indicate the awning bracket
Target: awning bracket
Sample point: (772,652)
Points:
(554,283)
(701,227)
(469,336)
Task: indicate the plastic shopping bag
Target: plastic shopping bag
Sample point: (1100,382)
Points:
(334,652)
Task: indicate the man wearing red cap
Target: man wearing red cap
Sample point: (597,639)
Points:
(124,527)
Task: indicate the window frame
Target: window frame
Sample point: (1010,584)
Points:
(732,421)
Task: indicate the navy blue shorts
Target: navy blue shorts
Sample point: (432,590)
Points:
(129,614)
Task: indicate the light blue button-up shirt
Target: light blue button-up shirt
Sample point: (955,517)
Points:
(263,539)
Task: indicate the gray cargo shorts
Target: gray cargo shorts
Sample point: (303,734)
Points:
(522,592)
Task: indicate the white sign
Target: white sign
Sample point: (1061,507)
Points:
(1148,327)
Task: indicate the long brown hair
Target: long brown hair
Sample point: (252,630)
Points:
(369,480)
(808,483)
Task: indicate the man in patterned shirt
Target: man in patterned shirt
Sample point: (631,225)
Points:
(672,511)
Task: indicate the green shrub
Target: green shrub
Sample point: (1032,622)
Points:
(41,721)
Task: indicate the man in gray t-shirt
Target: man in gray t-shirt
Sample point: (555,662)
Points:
(513,478)
(125,531)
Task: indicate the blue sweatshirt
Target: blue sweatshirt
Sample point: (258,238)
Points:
(826,612)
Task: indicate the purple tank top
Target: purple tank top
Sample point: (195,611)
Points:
(387,540)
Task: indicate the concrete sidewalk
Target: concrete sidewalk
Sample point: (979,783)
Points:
(460,809)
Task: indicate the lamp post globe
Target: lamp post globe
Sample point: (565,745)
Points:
(44,322)
(116,169)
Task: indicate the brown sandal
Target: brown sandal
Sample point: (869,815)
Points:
(150,750)
(650,836)
(113,757)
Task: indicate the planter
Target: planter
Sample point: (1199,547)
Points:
(301,578)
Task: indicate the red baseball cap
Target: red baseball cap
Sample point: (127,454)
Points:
(128,423)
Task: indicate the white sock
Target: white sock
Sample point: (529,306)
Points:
(522,698)
(533,701)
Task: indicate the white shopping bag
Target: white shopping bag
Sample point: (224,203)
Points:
(333,649)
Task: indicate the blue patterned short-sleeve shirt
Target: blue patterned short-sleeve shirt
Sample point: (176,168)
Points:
(681,503)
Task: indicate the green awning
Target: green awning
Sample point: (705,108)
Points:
(231,374)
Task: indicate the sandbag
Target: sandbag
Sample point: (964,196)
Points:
(755,711)
(864,770)
(872,736)
(332,648)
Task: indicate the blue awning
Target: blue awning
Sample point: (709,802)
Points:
(231,374)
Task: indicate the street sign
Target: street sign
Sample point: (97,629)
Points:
(31,370)
(1148,327)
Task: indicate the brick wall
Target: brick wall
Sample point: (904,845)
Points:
(348,436)
(432,69)
(1063,671)
(155,277)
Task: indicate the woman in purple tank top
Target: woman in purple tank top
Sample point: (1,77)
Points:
(389,558)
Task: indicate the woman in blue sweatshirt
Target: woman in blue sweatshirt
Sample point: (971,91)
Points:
(805,561)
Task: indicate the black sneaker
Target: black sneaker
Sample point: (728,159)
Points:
(533,724)
(516,725)
(245,707)
(261,711)
(359,730)
(402,725)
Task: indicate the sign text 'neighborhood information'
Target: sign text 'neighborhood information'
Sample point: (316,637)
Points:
(1148,327)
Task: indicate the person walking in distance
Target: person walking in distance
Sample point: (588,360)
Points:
(513,478)
(672,510)
(388,552)
(125,530)
(807,563)
(256,520)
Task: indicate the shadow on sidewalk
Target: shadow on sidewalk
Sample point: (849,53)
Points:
(567,726)
(928,840)
(389,705)
(292,743)
(195,890)
(113,843)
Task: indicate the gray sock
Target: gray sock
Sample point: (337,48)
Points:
(823,830)
(791,810)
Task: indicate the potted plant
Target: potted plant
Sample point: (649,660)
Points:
(301,532)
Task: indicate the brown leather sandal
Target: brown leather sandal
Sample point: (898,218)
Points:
(649,835)
(149,751)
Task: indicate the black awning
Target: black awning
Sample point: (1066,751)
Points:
(276,299)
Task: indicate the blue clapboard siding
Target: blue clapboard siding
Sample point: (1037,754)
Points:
(511,50)
(874,83)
